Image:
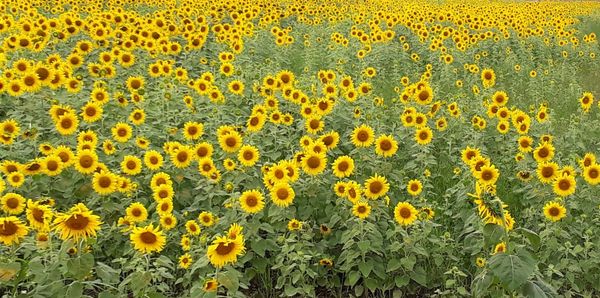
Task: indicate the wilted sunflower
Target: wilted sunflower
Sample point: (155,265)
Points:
(147,239)
(224,251)
(78,223)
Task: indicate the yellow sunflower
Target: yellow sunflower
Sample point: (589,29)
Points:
(343,166)
(224,251)
(363,136)
(147,239)
(565,185)
(12,230)
(554,211)
(252,201)
(282,194)
(386,146)
(136,212)
(414,187)
(361,210)
(376,187)
(39,216)
(248,155)
(405,214)
(12,203)
(314,163)
(78,223)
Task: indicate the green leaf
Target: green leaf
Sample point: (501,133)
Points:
(409,262)
(532,236)
(511,270)
(538,289)
(364,246)
(419,275)
(290,290)
(229,279)
(75,289)
(492,234)
(365,268)
(401,280)
(353,278)
(481,283)
(393,265)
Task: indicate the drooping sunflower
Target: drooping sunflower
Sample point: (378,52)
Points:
(386,146)
(147,239)
(376,187)
(414,187)
(343,166)
(565,185)
(224,251)
(361,210)
(554,211)
(12,230)
(78,223)
(363,136)
(405,214)
(210,285)
(282,194)
(252,201)
(248,155)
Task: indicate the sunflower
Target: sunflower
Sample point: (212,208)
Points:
(164,207)
(405,214)
(256,122)
(135,84)
(147,239)
(224,251)
(294,225)
(206,166)
(414,187)
(162,192)
(361,210)
(12,203)
(376,187)
(137,117)
(314,163)
(131,165)
(591,174)
(168,221)
(423,135)
(248,155)
(15,179)
(192,227)
(282,194)
(67,124)
(136,212)
(564,185)
(38,215)
(193,130)
(524,143)
(230,142)
(91,112)
(544,152)
(554,211)
(252,201)
(78,223)
(469,153)
(480,262)
(353,191)
(547,172)
(386,146)
(343,166)
(12,230)
(185,261)
(500,248)
(206,218)
(104,183)
(210,285)
(424,96)
(362,136)
(121,132)
(182,157)
(203,150)
(488,77)
(488,175)
(153,160)
(500,98)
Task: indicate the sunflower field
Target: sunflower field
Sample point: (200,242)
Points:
(299,148)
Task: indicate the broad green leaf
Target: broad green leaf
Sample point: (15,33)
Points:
(511,270)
